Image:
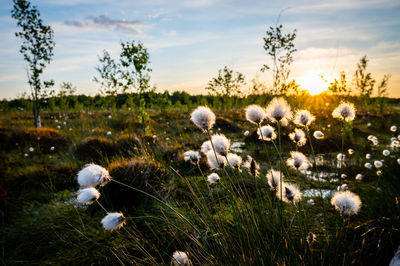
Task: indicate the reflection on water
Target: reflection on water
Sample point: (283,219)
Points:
(323,176)
(238,146)
(314,192)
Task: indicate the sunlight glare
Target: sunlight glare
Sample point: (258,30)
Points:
(315,83)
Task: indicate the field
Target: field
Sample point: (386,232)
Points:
(170,206)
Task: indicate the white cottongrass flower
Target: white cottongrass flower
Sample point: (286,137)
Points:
(311,238)
(26,155)
(251,165)
(395,144)
(393,128)
(192,156)
(246,133)
(398,161)
(274,178)
(346,202)
(340,157)
(255,114)
(398,137)
(350,151)
(31,149)
(213,178)
(180,258)
(368,156)
(298,161)
(206,146)
(303,118)
(58,127)
(379,173)
(359,177)
(278,110)
(375,142)
(109,117)
(88,195)
(386,153)
(221,144)
(290,193)
(392,139)
(298,136)
(343,176)
(369,124)
(203,117)
(52,148)
(215,162)
(345,111)
(113,221)
(310,201)
(368,165)
(343,187)
(371,137)
(92,175)
(266,133)
(318,134)
(378,164)
(234,160)
(109,133)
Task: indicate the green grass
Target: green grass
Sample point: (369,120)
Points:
(239,221)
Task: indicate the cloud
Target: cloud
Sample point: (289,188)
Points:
(104,22)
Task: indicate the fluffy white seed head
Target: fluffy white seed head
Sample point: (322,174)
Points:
(359,177)
(346,202)
(221,144)
(234,160)
(206,146)
(368,156)
(266,133)
(379,173)
(395,144)
(215,162)
(255,114)
(93,175)
(298,161)
(393,128)
(192,156)
(203,117)
(246,133)
(345,111)
(213,178)
(368,165)
(88,195)
(350,151)
(274,178)
(378,164)
(341,157)
(251,165)
(343,176)
(398,161)
(180,258)
(113,221)
(303,118)
(318,134)
(386,153)
(278,110)
(290,193)
(310,201)
(298,136)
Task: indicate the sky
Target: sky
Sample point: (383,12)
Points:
(189,41)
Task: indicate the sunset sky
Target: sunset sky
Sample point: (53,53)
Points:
(189,41)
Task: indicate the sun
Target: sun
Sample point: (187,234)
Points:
(315,83)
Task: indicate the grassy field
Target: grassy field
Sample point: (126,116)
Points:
(170,206)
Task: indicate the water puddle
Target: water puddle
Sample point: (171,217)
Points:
(238,146)
(314,192)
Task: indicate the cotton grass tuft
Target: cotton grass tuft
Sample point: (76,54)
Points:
(345,111)
(93,175)
(346,202)
(113,221)
(203,118)
(88,195)
(255,114)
